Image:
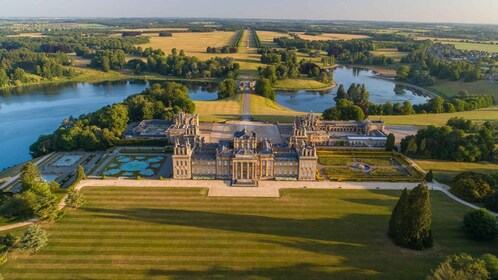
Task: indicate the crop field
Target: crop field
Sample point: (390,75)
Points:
(266,37)
(342,165)
(393,53)
(158,233)
(485,114)
(330,36)
(193,43)
(220,110)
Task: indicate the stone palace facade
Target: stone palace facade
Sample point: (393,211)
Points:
(246,158)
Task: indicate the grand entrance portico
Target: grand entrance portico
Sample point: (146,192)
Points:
(245,166)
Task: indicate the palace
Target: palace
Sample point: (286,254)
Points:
(246,158)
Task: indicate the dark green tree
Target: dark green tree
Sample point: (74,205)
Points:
(480,225)
(411,224)
(390,142)
(227,88)
(429,177)
(80,173)
(264,88)
(397,215)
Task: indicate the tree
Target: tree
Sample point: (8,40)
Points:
(29,175)
(391,139)
(492,202)
(264,88)
(341,93)
(407,108)
(429,177)
(480,225)
(227,88)
(491,262)
(33,239)
(74,198)
(412,147)
(397,214)
(460,267)
(80,173)
(410,224)
(41,201)
(4,78)
(472,189)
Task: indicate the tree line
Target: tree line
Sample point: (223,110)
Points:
(180,65)
(451,142)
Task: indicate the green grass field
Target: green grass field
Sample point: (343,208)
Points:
(445,171)
(220,110)
(159,233)
(264,109)
(485,114)
(448,89)
(475,46)
(301,83)
(392,52)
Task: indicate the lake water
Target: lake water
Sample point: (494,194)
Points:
(381,91)
(27,113)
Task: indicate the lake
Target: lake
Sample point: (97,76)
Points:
(381,91)
(27,113)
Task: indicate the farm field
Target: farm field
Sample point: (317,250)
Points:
(478,46)
(445,171)
(157,233)
(448,89)
(485,114)
(193,43)
(220,110)
(393,53)
(266,37)
(330,36)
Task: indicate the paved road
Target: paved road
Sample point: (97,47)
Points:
(246,109)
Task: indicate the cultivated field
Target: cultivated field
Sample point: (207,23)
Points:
(393,53)
(220,110)
(159,233)
(266,37)
(485,114)
(330,36)
(193,43)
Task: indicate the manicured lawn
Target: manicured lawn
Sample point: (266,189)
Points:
(220,110)
(485,114)
(445,171)
(301,83)
(448,89)
(159,233)
(264,109)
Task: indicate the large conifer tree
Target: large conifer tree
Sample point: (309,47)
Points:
(410,224)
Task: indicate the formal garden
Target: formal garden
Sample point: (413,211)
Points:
(365,165)
(134,166)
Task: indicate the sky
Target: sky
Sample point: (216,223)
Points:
(462,11)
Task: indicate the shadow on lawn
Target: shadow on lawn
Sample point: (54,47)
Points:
(324,229)
(298,271)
